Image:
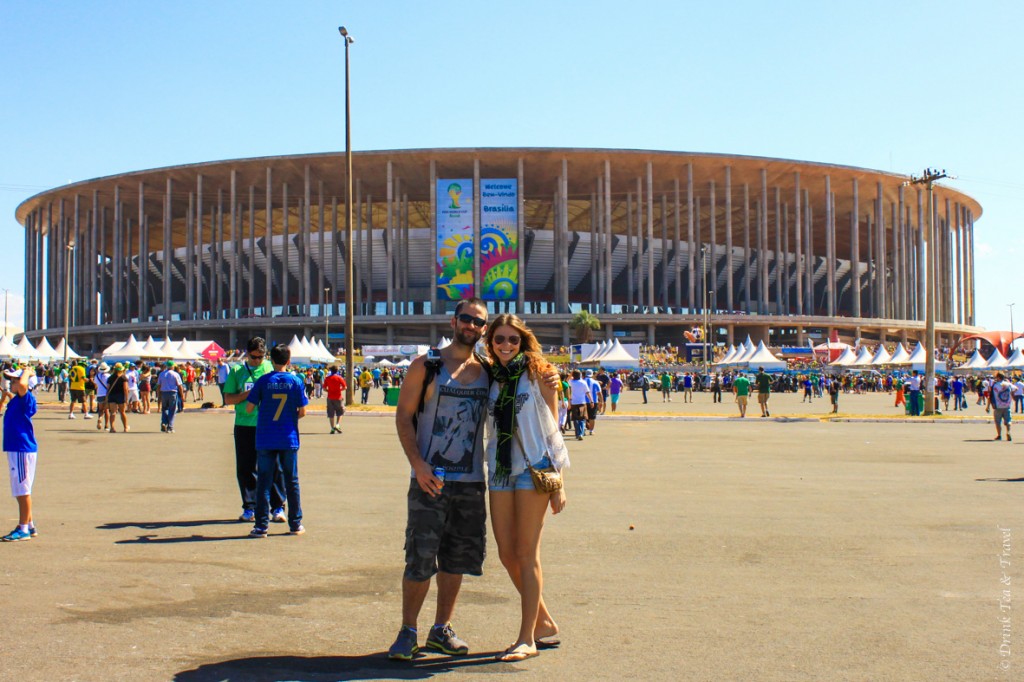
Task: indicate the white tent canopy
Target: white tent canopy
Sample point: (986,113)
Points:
(976,362)
(881,356)
(900,356)
(45,351)
(1016,360)
(7,349)
(129,350)
(918,360)
(24,350)
(728,356)
(845,359)
(863,358)
(59,350)
(762,357)
(996,361)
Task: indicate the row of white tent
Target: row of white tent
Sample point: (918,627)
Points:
(132,350)
(917,359)
(611,354)
(994,362)
(24,351)
(309,351)
(749,356)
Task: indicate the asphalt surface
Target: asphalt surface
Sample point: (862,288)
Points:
(695,548)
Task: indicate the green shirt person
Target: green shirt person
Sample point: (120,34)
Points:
(764,389)
(240,381)
(741,386)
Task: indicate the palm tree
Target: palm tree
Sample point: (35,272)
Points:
(584,323)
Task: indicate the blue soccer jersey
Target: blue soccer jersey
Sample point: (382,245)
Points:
(19,436)
(278,395)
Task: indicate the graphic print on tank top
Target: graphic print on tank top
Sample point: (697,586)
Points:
(455,433)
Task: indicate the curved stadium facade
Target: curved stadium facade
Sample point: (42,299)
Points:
(646,240)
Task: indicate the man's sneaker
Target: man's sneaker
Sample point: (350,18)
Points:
(17,535)
(298,531)
(248,516)
(32,531)
(258,532)
(278,515)
(1008,437)
(405,646)
(442,638)
(163,428)
(88,415)
(71,415)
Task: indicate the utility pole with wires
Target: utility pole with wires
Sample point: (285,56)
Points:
(928,179)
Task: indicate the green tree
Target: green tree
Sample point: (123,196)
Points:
(584,323)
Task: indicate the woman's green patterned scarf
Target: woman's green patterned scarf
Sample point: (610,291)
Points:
(505,412)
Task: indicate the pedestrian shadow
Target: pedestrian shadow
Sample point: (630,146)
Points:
(156,540)
(999,480)
(337,668)
(157,525)
(981,440)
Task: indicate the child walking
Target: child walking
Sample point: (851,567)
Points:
(20,446)
(281,399)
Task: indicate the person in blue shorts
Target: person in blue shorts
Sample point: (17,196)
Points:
(281,399)
(21,448)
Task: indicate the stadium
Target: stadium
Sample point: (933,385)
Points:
(651,242)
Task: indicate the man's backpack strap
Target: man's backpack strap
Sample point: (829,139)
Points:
(433,368)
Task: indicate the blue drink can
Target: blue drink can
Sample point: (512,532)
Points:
(439,473)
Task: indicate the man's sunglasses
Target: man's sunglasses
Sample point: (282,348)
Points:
(477,322)
(256,357)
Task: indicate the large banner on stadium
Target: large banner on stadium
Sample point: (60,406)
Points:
(499,239)
(454,239)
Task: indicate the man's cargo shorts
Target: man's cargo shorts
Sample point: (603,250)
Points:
(447,532)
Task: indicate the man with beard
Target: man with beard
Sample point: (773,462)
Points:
(446,529)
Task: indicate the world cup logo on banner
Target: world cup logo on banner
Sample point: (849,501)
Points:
(455,192)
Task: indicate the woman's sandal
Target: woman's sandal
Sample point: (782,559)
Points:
(552,642)
(518,652)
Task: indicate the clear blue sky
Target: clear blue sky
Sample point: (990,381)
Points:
(95,88)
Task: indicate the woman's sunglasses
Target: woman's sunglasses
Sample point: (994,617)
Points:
(501,338)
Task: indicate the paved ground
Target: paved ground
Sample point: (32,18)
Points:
(760,550)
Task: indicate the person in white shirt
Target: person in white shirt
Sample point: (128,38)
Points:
(580,399)
(1018,396)
(1000,398)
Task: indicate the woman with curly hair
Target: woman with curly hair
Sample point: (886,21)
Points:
(523,431)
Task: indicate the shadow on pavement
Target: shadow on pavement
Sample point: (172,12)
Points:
(154,540)
(156,525)
(999,480)
(335,668)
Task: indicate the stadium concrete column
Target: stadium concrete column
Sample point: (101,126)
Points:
(251,308)
(143,253)
(197,253)
(798,247)
(970,223)
(778,256)
(285,248)
(168,252)
(746,249)
(563,304)
(855,254)
(305,262)
(389,245)
(880,256)
(322,270)
(371,307)
(629,249)
(595,212)
(217,255)
(690,243)
(713,242)
(787,291)
(947,265)
(233,264)
(640,242)
(118,294)
(830,250)
(664,252)
(650,234)
(809,246)
(336,261)
(871,272)
(763,242)
(702,264)
(403,243)
(899,286)
(730,300)
(268,246)
(608,271)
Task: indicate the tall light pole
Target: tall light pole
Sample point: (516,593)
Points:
(67,297)
(927,179)
(7,293)
(350,304)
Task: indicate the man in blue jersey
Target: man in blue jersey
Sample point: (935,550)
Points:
(281,399)
(20,446)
